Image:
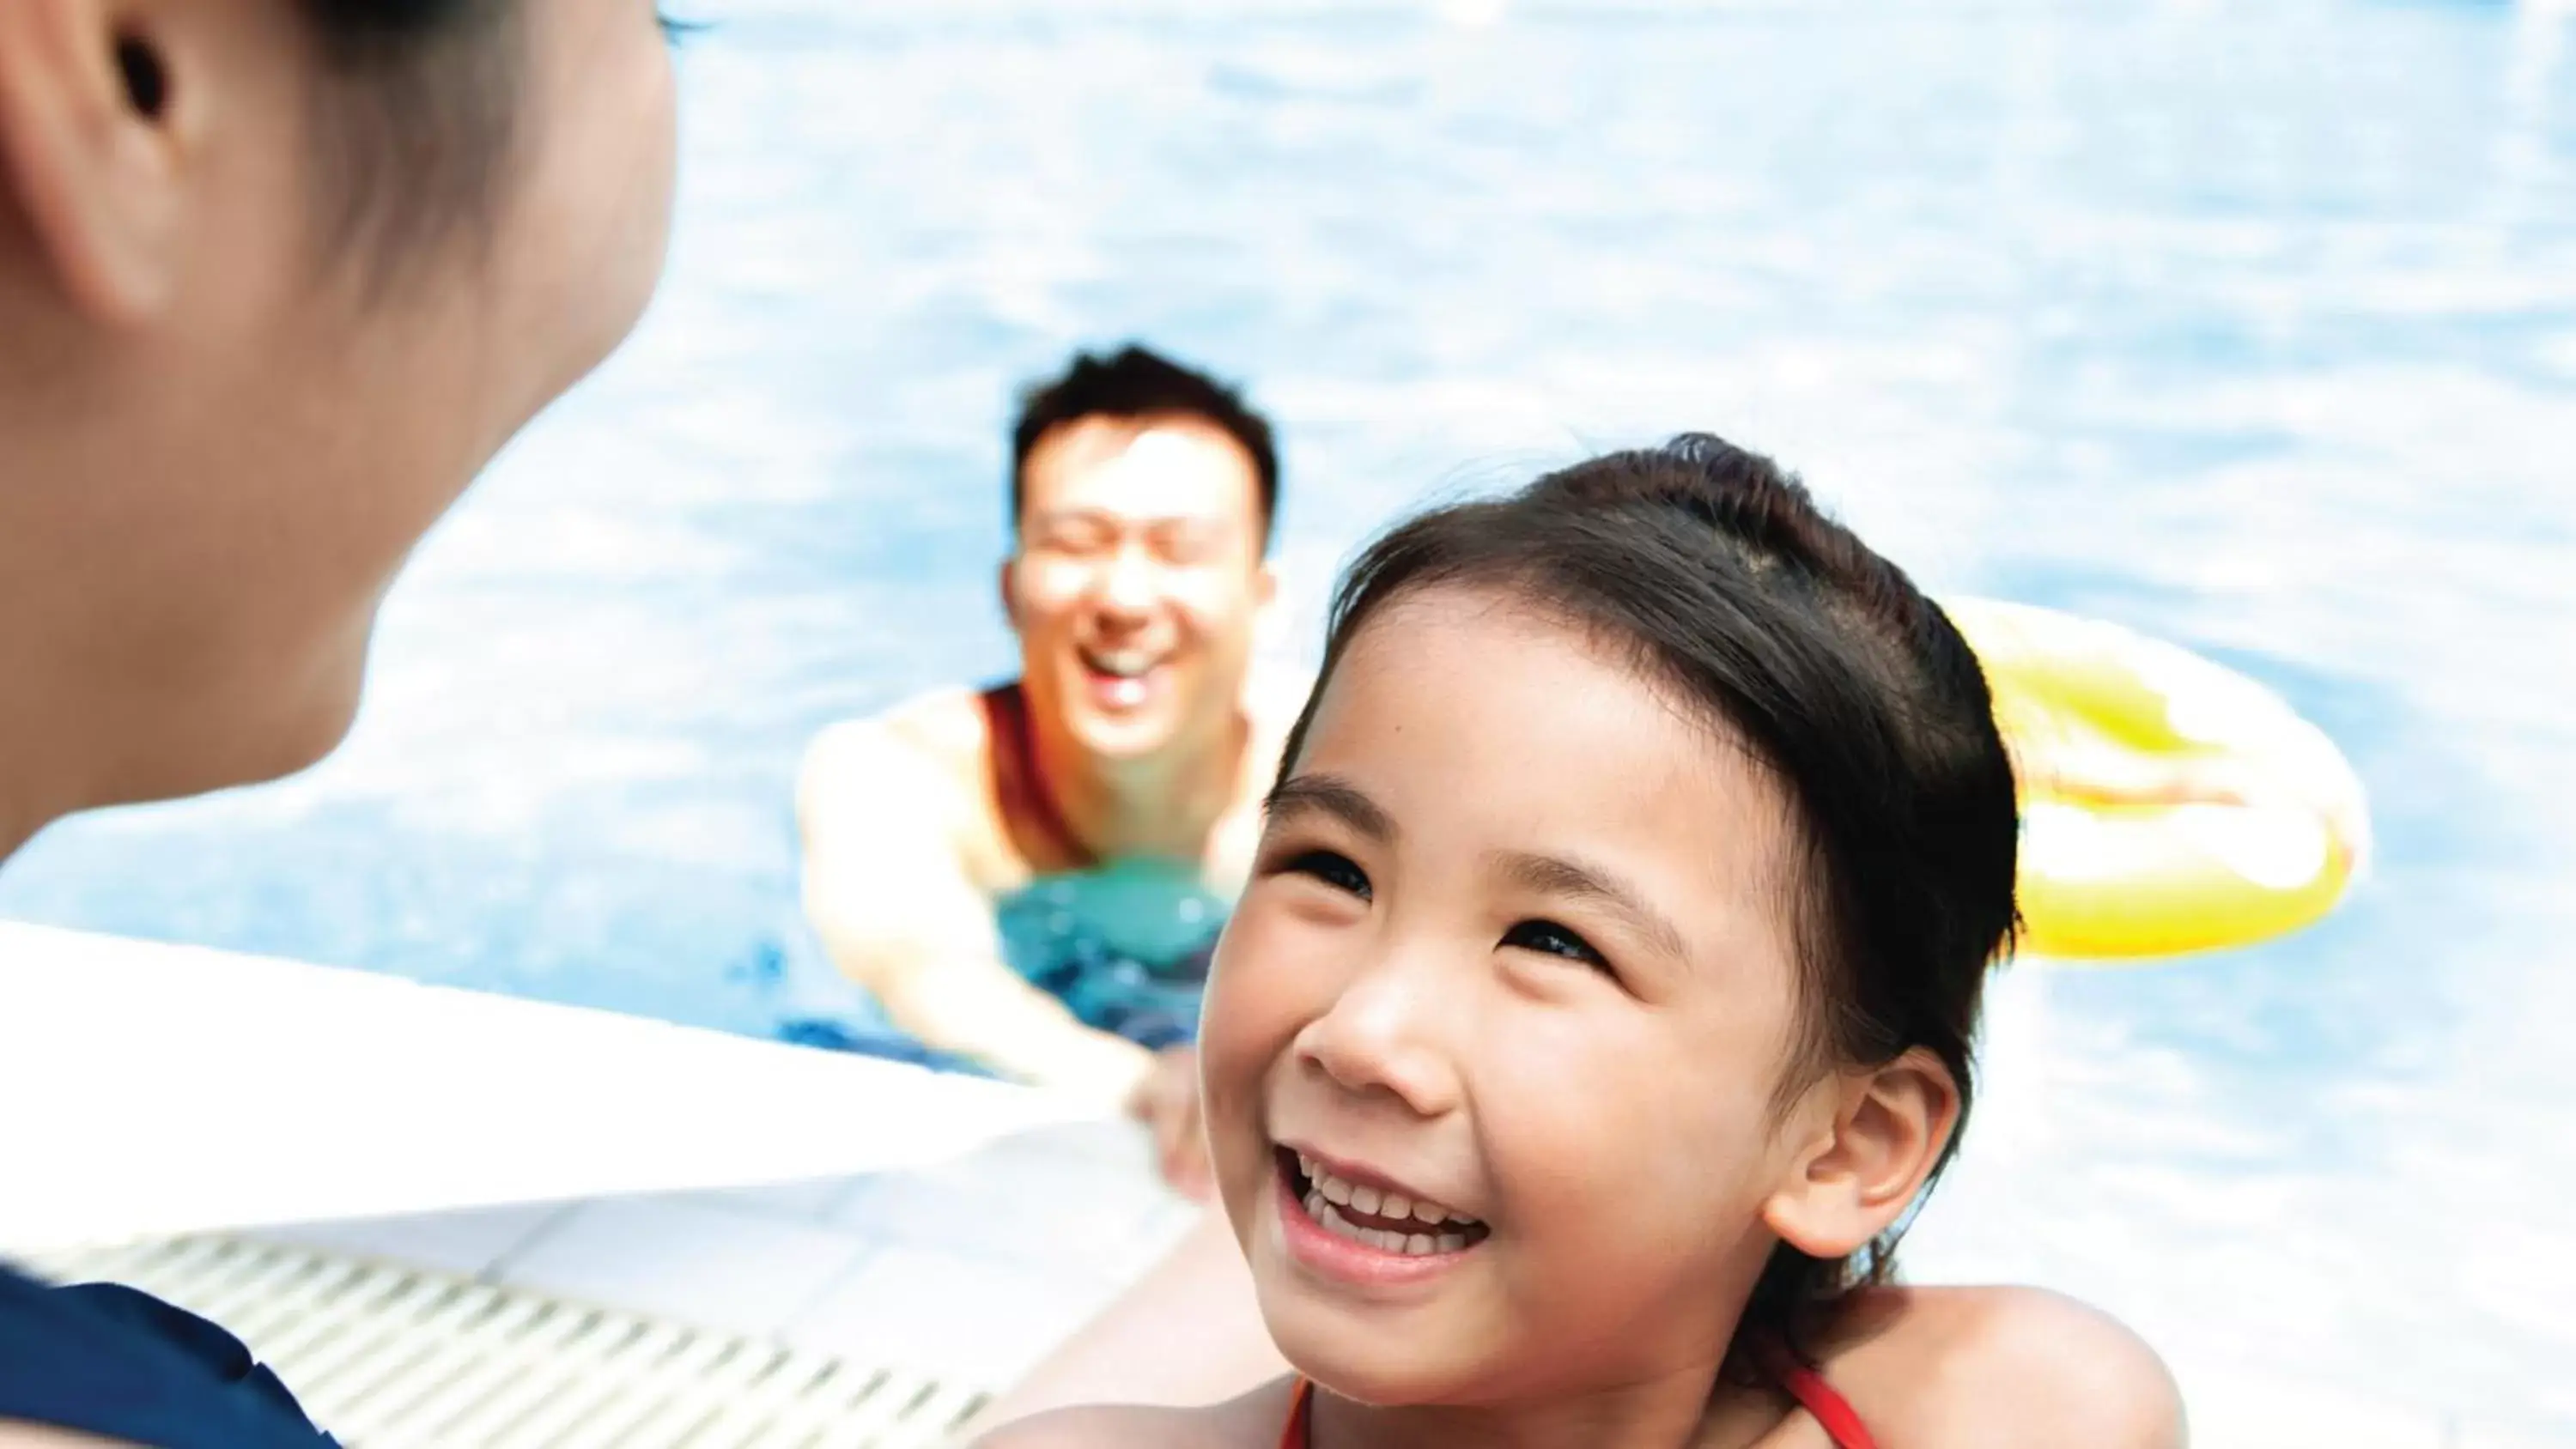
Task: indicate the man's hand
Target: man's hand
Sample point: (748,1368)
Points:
(1167,1101)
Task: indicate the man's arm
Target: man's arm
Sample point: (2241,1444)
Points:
(887,892)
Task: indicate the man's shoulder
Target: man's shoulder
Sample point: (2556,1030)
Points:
(936,736)
(2007,1367)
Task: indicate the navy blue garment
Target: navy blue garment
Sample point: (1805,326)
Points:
(107,1360)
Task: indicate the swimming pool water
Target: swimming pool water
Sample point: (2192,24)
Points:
(2253,327)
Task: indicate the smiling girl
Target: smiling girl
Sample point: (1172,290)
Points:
(1602,999)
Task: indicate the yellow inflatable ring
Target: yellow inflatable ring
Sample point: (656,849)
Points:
(2169,805)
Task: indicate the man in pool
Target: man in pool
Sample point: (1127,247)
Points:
(953,845)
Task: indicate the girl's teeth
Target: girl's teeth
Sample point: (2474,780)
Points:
(1372,1202)
(1415,1245)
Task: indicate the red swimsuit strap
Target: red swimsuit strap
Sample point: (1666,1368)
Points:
(1829,1407)
(1300,1404)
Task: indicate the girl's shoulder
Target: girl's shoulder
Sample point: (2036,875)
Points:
(1253,1421)
(2000,1367)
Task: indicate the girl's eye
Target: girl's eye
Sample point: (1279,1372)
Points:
(1332,868)
(1550,939)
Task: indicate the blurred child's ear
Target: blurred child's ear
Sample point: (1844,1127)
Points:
(1859,1171)
(99,129)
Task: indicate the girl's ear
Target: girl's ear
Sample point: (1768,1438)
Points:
(1866,1165)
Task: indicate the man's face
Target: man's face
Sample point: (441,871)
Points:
(1137,581)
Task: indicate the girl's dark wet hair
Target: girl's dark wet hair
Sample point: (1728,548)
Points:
(1718,574)
(420,105)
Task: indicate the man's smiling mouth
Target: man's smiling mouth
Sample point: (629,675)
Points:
(1122,679)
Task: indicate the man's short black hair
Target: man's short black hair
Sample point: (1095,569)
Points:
(1136,382)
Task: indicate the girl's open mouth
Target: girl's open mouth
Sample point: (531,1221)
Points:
(1384,1221)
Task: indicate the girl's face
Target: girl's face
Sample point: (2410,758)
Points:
(1493,1036)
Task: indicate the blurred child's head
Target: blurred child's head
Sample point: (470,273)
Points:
(1610,963)
(277,278)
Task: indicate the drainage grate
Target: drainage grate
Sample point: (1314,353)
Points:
(387,1357)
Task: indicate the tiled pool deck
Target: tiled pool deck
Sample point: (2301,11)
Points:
(969,1271)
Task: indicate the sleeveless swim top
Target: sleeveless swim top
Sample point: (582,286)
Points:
(1804,1384)
(1125,946)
